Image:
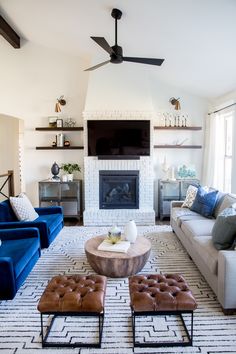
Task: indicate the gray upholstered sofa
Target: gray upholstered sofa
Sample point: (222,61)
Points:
(217,267)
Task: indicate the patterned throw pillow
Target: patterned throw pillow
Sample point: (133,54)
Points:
(224,229)
(190,196)
(23,208)
(205,202)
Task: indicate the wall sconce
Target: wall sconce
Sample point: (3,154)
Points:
(60,102)
(175,102)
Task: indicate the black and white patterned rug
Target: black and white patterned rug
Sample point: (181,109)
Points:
(20,322)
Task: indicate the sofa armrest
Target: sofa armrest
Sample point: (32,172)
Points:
(49,210)
(176,203)
(7,278)
(22,233)
(227,279)
(41,225)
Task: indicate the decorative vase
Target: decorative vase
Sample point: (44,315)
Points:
(130,231)
(64,178)
(55,169)
(114,235)
(70,177)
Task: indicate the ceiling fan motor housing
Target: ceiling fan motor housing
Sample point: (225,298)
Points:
(116,13)
(117,57)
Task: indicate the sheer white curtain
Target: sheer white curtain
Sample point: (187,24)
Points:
(214,154)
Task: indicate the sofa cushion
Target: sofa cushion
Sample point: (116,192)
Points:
(20,251)
(226,202)
(206,250)
(23,208)
(6,212)
(224,230)
(193,228)
(219,202)
(189,218)
(52,220)
(204,202)
(190,196)
(180,214)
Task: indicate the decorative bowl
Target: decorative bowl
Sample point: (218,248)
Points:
(114,235)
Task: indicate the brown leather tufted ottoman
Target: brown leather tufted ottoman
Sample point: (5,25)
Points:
(161,294)
(73,295)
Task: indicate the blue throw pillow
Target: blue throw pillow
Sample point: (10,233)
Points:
(205,202)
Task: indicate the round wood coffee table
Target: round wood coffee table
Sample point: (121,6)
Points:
(114,264)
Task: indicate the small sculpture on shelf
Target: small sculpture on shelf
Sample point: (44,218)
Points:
(66,143)
(70,123)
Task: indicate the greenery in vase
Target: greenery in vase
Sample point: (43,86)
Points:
(70,168)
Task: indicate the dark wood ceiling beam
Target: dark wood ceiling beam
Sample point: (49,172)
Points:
(9,34)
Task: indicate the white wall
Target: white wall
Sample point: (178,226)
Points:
(10,150)
(31,79)
(119,87)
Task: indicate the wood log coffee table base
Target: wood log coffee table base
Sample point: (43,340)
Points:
(118,265)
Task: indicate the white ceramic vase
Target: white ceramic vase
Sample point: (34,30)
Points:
(64,178)
(70,177)
(130,231)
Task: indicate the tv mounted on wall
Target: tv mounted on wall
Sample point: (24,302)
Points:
(117,138)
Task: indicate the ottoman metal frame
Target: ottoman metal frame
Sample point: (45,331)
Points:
(189,334)
(46,343)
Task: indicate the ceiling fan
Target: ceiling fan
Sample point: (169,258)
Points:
(116,52)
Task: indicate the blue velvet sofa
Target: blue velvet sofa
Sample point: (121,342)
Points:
(49,222)
(19,251)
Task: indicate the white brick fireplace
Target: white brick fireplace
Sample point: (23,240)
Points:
(93,215)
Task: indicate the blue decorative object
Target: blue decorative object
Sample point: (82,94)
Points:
(19,252)
(205,202)
(184,172)
(49,222)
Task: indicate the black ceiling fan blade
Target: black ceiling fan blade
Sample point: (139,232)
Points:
(103,43)
(150,61)
(98,65)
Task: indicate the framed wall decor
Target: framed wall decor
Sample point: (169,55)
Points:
(59,123)
(52,122)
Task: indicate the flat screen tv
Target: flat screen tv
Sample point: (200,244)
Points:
(118,138)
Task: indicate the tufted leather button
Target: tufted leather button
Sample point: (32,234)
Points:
(74,293)
(160,292)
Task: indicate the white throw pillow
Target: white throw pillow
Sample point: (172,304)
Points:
(23,208)
(190,196)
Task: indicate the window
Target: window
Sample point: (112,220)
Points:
(219,150)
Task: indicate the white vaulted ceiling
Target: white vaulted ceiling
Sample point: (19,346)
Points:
(196,37)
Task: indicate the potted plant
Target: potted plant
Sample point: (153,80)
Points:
(69,169)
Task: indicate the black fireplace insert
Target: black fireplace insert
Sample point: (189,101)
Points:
(119,189)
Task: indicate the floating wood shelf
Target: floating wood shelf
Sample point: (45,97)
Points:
(157,127)
(177,146)
(59,129)
(59,148)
